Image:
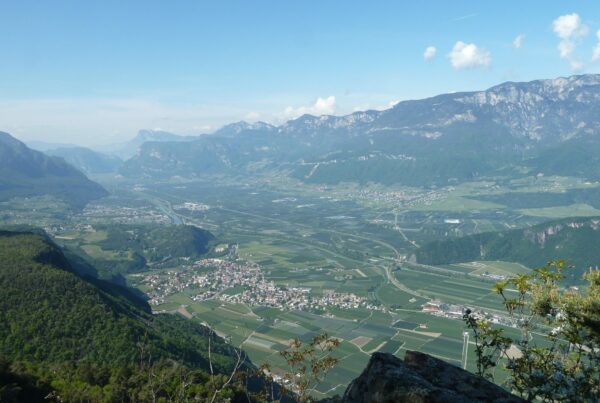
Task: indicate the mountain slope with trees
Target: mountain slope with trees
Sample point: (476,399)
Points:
(576,240)
(127,248)
(51,317)
(511,128)
(25,173)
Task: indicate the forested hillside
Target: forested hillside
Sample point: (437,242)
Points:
(63,332)
(576,240)
(118,249)
(25,172)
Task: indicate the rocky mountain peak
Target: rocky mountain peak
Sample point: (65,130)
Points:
(242,126)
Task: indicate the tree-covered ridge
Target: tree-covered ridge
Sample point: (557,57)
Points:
(574,239)
(25,172)
(157,242)
(126,248)
(48,313)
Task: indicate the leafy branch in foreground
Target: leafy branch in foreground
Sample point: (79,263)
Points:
(564,363)
(308,363)
(490,344)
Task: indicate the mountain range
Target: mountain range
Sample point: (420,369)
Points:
(25,172)
(86,160)
(130,148)
(447,138)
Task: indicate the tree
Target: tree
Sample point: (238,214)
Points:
(308,363)
(565,364)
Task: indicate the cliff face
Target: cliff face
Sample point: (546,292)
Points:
(421,378)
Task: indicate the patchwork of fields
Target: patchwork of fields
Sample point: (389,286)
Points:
(341,239)
(265,332)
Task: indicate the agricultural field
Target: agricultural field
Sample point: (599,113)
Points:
(573,210)
(263,333)
(328,239)
(491,267)
(467,284)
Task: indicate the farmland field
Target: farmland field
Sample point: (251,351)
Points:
(338,239)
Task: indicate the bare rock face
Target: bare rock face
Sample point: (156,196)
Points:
(421,378)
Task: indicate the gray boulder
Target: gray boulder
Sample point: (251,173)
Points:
(421,378)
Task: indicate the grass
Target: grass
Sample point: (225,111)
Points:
(450,288)
(455,203)
(390,295)
(97,252)
(496,267)
(574,210)
(95,236)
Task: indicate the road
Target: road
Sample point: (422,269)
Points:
(176,218)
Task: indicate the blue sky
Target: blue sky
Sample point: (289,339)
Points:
(96,72)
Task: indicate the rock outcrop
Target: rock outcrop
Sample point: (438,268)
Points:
(421,378)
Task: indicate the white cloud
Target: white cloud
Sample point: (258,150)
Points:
(429,53)
(569,26)
(469,55)
(566,48)
(596,51)
(576,65)
(322,106)
(518,41)
(379,106)
(570,30)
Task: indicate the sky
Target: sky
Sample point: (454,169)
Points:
(95,72)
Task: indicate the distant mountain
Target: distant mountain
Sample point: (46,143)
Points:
(25,172)
(447,138)
(576,240)
(44,146)
(130,148)
(86,160)
(234,129)
(54,318)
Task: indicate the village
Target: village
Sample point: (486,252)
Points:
(453,311)
(238,281)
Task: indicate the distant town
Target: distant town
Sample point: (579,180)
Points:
(234,280)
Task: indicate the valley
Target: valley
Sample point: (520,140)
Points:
(311,258)
(300,202)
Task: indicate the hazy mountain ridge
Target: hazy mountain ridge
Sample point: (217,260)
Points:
(130,148)
(25,172)
(457,136)
(44,146)
(87,160)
